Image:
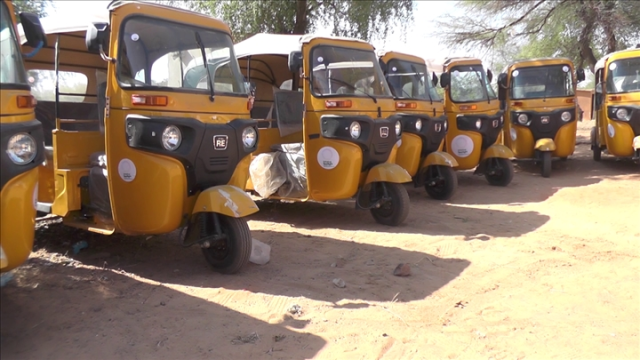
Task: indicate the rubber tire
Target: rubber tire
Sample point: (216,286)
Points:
(507,175)
(241,245)
(546,164)
(400,204)
(597,152)
(564,158)
(449,186)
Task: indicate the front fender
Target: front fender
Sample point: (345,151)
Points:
(226,200)
(386,172)
(545,145)
(636,143)
(498,151)
(439,158)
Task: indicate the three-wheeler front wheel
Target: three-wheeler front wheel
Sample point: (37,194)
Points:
(546,164)
(441,182)
(393,209)
(595,147)
(231,252)
(499,171)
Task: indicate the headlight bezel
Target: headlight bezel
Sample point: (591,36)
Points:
(166,138)
(11,153)
(522,118)
(626,116)
(398,128)
(249,130)
(418,125)
(479,124)
(355,125)
(566,118)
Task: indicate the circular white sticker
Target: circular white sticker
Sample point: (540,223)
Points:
(320,59)
(127,170)
(613,66)
(515,73)
(462,146)
(328,157)
(514,134)
(611,131)
(565,68)
(135,37)
(35,197)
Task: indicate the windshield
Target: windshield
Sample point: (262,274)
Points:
(338,70)
(469,84)
(542,82)
(159,53)
(410,80)
(12,69)
(623,76)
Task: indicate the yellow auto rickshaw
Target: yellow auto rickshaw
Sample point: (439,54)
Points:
(475,121)
(150,128)
(324,111)
(21,138)
(424,125)
(540,106)
(616,105)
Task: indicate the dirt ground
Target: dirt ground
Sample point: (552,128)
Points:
(542,269)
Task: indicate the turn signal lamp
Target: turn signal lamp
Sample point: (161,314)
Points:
(337,103)
(615,98)
(26,101)
(149,100)
(468,107)
(406,105)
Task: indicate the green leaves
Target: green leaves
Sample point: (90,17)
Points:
(33,6)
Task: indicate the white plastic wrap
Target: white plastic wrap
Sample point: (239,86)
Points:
(267,174)
(292,159)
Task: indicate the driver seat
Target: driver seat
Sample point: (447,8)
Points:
(98,181)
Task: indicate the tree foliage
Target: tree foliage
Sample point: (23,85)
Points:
(360,19)
(582,30)
(38,7)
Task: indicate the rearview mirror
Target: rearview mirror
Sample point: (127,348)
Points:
(445,79)
(580,74)
(434,79)
(489,75)
(97,38)
(33,30)
(295,61)
(502,80)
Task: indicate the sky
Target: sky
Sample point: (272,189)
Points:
(420,39)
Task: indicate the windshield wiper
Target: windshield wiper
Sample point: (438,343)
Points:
(355,88)
(426,89)
(206,66)
(484,87)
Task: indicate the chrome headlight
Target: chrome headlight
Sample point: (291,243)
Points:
(446,125)
(355,130)
(22,148)
(566,116)
(622,114)
(249,136)
(398,128)
(523,119)
(478,124)
(419,125)
(171,138)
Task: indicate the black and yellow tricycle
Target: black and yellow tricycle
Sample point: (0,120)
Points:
(540,106)
(420,109)
(156,136)
(326,132)
(474,137)
(21,139)
(616,106)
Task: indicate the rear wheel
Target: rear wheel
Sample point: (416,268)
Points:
(395,209)
(441,182)
(595,147)
(546,164)
(230,254)
(499,171)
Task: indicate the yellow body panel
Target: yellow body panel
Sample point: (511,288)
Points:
(226,200)
(545,144)
(17,219)
(387,172)
(408,156)
(497,151)
(439,158)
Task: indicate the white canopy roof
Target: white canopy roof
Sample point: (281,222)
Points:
(278,44)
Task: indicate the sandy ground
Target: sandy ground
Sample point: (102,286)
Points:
(542,269)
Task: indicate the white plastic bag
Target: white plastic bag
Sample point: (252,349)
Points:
(267,174)
(260,252)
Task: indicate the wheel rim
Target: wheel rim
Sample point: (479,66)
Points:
(220,250)
(437,184)
(386,208)
(495,169)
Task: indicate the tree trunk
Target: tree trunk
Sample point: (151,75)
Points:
(302,22)
(588,16)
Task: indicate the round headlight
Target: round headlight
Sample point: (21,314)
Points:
(478,124)
(22,149)
(249,136)
(566,116)
(622,114)
(419,125)
(523,118)
(171,137)
(446,125)
(355,130)
(398,128)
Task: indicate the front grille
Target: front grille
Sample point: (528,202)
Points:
(218,161)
